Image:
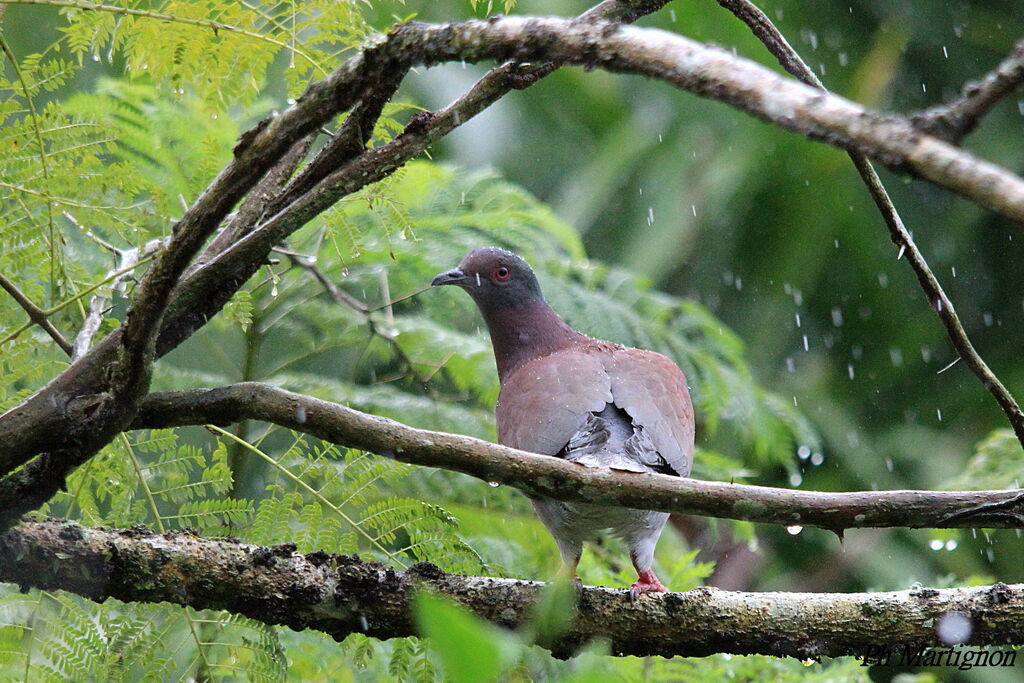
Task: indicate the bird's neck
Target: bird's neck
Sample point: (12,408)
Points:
(525,332)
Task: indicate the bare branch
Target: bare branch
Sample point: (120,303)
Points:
(956,119)
(557,478)
(790,60)
(126,260)
(340,595)
(35,314)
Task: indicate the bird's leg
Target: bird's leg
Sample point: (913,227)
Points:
(646,581)
(570,553)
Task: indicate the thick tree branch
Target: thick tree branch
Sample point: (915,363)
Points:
(790,60)
(48,419)
(556,478)
(68,410)
(340,595)
(956,119)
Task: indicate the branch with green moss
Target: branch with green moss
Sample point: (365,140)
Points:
(557,478)
(341,595)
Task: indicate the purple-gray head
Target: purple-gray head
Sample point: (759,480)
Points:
(495,278)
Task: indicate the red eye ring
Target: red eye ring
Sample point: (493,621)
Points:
(501,273)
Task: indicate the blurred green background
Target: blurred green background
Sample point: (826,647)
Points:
(777,237)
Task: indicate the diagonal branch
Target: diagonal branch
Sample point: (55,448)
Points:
(956,119)
(70,405)
(790,60)
(44,422)
(542,475)
(35,314)
(340,595)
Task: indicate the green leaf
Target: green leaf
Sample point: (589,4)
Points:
(470,648)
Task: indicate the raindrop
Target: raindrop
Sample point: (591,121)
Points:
(806,346)
(896,357)
(795,405)
(363,625)
(672,15)
(916,586)
(926,354)
(273,290)
(693,207)
(790,366)
(803,452)
(883,280)
(924,88)
(817,459)
(936,544)
(953,270)
(844,59)
(95,57)
(300,414)
(794,530)
(837,317)
(835,243)
(650,215)
(938,414)
(291,100)
(945,52)
(987,317)
(888,464)
(951,544)
(797,316)
(493,484)
(795,479)
(849,370)
(953,628)
(903,248)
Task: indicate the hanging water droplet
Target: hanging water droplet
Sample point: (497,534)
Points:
(273,289)
(794,530)
(936,544)
(493,484)
(953,628)
(903,248)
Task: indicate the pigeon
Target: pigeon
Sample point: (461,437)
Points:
(588,401)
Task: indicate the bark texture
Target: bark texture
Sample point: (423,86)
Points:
(340,595)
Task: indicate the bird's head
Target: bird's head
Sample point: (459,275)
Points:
(495,278)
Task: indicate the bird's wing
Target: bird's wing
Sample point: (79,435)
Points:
(546,401)
(652,391)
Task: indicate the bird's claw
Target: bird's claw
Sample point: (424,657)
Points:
(646,582)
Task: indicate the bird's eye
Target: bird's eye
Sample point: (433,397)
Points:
(501,273)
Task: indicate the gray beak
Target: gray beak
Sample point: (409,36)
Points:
(451,277)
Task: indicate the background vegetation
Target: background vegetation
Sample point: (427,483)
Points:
(749,254)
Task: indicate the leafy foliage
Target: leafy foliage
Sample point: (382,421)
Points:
(113,165)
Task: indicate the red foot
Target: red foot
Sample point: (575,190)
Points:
(646,582)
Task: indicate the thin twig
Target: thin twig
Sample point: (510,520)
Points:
(790,60)
(956,119)
(35,314)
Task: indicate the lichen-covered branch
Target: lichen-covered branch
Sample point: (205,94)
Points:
(340,595)
(956,119)
(558,478)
